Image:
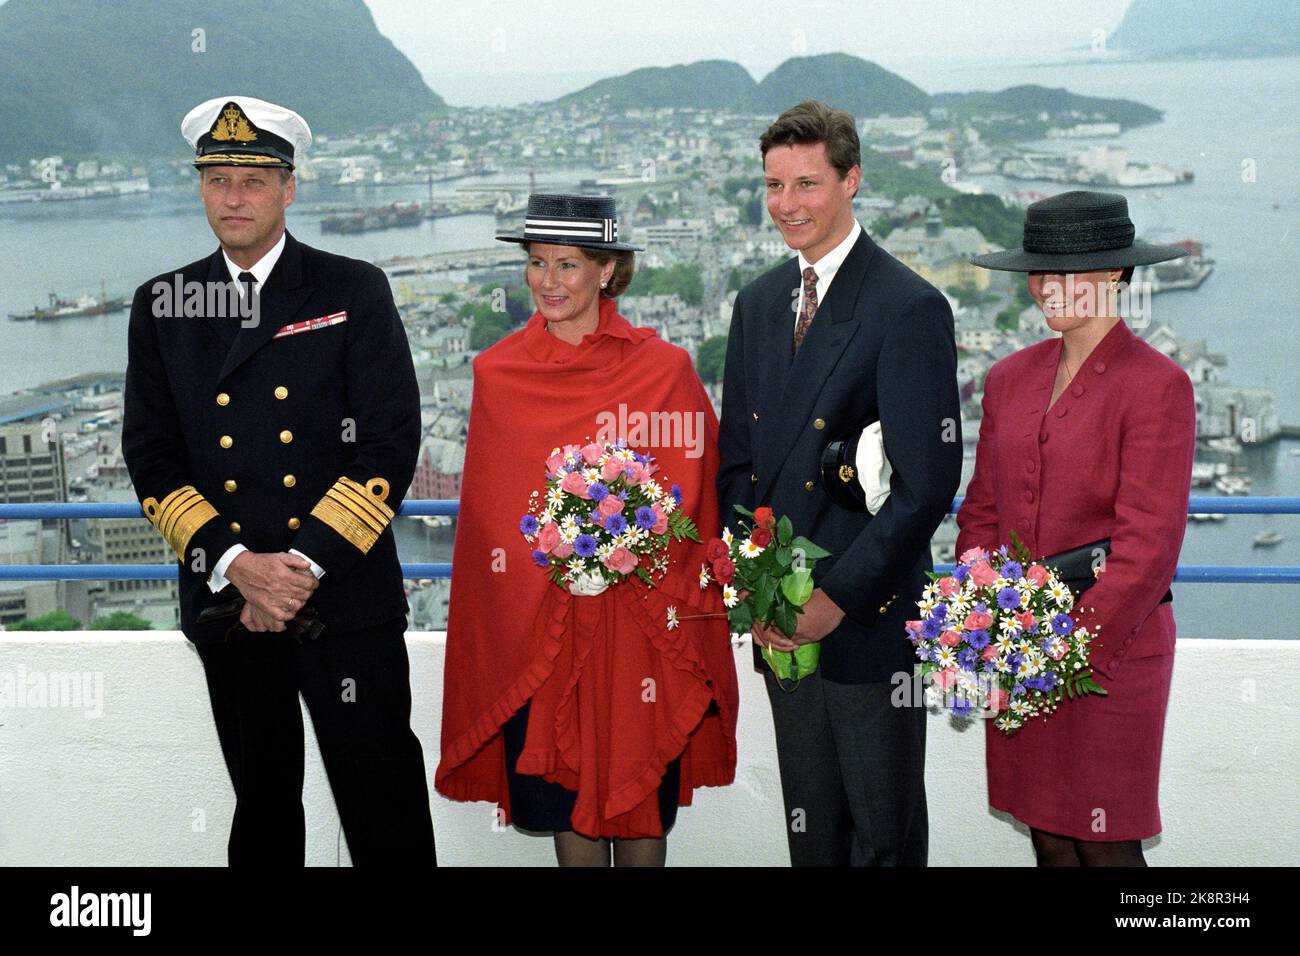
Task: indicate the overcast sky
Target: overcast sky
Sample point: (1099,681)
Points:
(511,51)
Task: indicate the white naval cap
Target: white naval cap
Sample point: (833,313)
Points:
(244,131)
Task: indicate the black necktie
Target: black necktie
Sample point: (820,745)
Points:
(247,280)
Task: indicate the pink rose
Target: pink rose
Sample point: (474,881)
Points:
(975,621)
(574,484)
(661,521)
(591,453)
(554,465)
(611,469)
(609,505)
(1026,620)
(562,550)
(949,586)
(621,560)
(944,679)
(548,537)
(982,574)
(1037,575)
(998,699)
(913,627)
(990,652)
(949,638)
(971,554)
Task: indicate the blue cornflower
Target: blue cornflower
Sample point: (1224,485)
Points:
(622,495)
(645,517)
(961,707)
(1062,624)
(598,491)
(541,559)
(931,628)
(528,524)
(1017,689)
(584,546)
(978,639)
(677,493)
(1008,598)
(961,573)
(596,518)
(940,612)
(1014,659)
(637,456)
(615,524)
(967,658)
(982,607)
(1003,551)
(1012,570)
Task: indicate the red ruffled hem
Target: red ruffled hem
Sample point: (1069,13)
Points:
(629,811)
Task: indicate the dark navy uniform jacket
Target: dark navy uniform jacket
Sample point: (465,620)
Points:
(880,348)
(303,437)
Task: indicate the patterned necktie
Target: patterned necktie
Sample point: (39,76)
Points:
(809,308)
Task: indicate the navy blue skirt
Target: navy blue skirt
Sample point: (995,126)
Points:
(539,805)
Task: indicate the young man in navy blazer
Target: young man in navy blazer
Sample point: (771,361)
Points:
(839,337)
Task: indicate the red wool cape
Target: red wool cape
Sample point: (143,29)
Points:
(616,695)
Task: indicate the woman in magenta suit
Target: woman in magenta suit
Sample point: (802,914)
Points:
(1085,437)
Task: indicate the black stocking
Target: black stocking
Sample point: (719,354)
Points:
(1053,850)
(1115,853)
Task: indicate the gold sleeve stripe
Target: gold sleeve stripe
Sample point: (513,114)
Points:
(356,514)
(179,516)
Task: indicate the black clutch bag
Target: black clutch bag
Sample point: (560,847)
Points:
(1077,568)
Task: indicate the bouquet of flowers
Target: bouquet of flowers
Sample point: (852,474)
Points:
(775,567)
(996,635)
(603,517)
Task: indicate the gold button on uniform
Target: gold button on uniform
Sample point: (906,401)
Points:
(290,481)
(234,526)
(809,485)
(281,392)
(223,399)
(819,424)
(753,479)
(230,484)
(286,436)
(226,441)
(755,414)
(293,524)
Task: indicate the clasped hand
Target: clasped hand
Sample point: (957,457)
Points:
(275,587)
(820,616)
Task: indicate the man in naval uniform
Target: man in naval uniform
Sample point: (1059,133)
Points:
(271,428)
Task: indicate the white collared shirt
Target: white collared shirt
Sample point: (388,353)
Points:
(261,269)
(826,268)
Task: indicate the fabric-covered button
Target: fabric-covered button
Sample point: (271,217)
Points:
(281,392)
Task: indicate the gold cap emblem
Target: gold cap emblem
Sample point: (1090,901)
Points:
(233,124)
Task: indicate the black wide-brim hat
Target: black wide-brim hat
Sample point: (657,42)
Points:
(1078,231)
(564,220)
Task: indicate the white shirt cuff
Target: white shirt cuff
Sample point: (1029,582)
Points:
(316,569)
(217,580)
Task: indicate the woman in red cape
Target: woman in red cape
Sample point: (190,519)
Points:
(615,718)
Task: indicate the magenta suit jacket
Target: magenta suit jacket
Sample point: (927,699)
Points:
(1112,458)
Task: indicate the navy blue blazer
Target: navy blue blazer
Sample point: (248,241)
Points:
(880,348)
(306,440)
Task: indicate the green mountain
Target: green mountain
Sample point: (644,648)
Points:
(1029,102)
(844,81)
(703,85)
(1208,28)
(116,78)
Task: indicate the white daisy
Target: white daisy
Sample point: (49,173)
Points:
(1005,644)
(705,580)
(748,549)
(727,537)
(569,523)
(578,565)
(605,550)
(672,618)
(569,535)
(730,598)
(944,656)
(654,489)
(591,474)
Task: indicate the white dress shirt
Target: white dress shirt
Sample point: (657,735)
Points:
(261,269)
(826,267)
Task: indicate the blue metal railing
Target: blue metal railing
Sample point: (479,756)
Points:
(1196,573)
